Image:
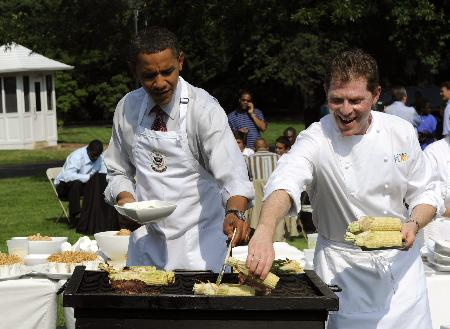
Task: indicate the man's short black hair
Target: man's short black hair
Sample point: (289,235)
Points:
(95,146)
(445,84)
(285,141)
(153,40)
(290,129)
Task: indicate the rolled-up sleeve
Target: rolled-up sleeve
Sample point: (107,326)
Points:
(220,152)
(423,181)
(294,171)
(121,171)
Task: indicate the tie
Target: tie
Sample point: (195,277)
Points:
(158,124)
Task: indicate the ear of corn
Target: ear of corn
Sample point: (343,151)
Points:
(367,223)
(376,239)
(148,274)
(270,281)
(224,289)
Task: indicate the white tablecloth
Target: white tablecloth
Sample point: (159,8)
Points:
(438,284)
(28,303)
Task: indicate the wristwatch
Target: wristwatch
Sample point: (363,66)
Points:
(239,214)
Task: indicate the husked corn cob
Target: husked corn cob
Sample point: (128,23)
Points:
(376,239)
(270,281)
(367,223)
(148,274)
(223,289)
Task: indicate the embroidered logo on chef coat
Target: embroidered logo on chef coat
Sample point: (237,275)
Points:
(158,162)
(400,157)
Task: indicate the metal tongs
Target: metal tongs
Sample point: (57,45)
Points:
(219,278)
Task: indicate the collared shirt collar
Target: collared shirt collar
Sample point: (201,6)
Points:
(173,107)
(86,156)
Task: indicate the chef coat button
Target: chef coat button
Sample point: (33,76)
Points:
(378,130)
(385,212)
(386,186)
(385,159)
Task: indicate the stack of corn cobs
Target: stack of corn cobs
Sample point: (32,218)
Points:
(375,232)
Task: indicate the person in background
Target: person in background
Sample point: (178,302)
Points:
(399,108)
(247,118)
(240,139)
(445,95)
(357,162)
(427,126)
(291,134)
(263,162)
(171,141)
(80,166)
(282,145)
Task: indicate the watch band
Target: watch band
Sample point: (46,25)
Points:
(239,214)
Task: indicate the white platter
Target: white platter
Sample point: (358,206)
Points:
(145,212)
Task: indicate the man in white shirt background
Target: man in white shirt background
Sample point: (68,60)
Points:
(445,95)
(78,169)
(171,141)
(399,108)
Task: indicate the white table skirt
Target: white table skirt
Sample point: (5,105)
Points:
(28,303)
(438,285)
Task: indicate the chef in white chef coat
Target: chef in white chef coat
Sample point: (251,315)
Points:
(438,154)
(356,162)
(171,141)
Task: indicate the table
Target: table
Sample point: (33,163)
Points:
(438,285)
(29,302)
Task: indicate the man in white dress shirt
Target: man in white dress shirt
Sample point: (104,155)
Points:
(171,141)
(78,169)
(445,95)
(356,162)
(399,108)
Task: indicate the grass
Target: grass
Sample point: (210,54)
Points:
(83,135)
(21,157)
(275,129)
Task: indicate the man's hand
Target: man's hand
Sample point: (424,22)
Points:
(231,222)
(243,130)
(409,231)
(260,252)
(124,197)
(250,108)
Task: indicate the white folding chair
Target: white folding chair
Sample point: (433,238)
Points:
(51,175)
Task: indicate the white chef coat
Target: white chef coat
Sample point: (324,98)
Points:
(446,120)
(407,113)
(209,137)
(78,166)
(438,154)
(346,178)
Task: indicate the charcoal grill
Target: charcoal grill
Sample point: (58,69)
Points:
(299,301)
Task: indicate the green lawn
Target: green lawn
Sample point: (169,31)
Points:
(275,129)
(83,135)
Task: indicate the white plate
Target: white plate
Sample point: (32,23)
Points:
(439,267)
(16,276)
(145,212)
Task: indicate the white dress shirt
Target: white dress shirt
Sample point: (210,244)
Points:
(349,177)
(446,120)
(405,112)
(78,166)
(209,137)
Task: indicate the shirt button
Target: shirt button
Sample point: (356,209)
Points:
(386,186)
(385,159)
(378,130)
(385,212)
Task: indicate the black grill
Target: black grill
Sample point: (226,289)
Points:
(298,301)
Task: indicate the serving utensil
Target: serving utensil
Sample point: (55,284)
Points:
(219,278)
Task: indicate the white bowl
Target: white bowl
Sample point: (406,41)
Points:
(113,246)
(44,247)
(145,212)
(35,259)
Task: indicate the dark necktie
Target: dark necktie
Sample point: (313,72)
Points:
(158,124)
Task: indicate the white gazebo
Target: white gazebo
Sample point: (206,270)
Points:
(27,98)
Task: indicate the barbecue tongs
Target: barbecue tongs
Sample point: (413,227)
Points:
(219,278)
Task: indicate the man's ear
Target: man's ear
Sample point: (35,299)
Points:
(180,61)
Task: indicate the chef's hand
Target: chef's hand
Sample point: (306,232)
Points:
(409,231)
(124,197)
(260,252)
(231,222)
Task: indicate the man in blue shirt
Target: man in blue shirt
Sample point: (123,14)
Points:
(247,119)
(78,169)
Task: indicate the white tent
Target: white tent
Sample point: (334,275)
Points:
(27,98)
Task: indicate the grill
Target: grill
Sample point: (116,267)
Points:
(299,301)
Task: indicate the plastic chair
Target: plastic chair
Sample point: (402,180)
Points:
(51,175)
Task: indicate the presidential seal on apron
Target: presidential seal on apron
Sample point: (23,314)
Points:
(158,162)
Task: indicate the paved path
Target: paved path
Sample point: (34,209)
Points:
(28,169)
